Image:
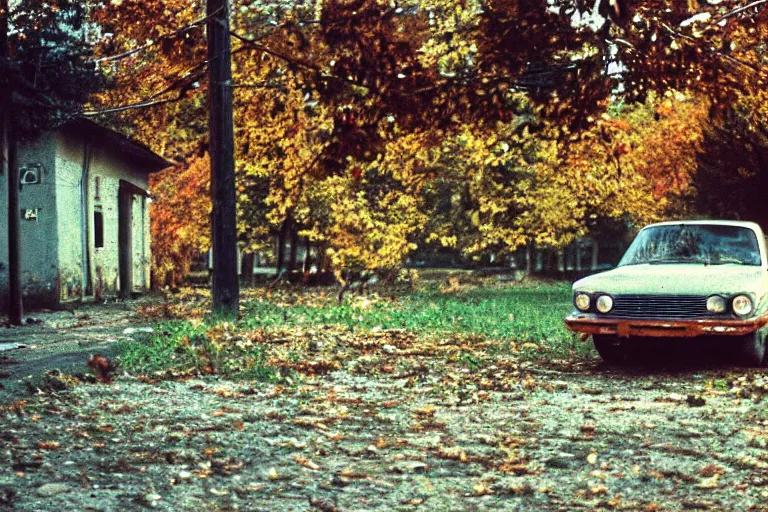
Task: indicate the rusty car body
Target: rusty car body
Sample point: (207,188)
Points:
(684,279)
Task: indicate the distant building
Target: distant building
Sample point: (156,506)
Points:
(84,207)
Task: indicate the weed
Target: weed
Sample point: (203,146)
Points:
(198,348)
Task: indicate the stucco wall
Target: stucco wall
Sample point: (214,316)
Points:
(39,246)
(69,167)
(109,169)
(140,238)
(39,239)
(51,238)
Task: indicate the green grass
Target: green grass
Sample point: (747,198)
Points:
(530,312)
(181,347)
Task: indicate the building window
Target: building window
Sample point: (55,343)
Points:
(98,229)
(97,188)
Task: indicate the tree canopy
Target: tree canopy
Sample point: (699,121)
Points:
(372,128)
(46,73)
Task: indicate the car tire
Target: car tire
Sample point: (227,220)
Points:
(752,350)
(612,349)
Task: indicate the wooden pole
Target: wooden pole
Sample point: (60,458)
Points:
(222,145)
(15,307)
(8,150)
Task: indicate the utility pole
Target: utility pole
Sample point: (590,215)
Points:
(222,152)
(11,168)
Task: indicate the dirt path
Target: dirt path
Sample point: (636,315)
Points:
(401,425)
(60,340)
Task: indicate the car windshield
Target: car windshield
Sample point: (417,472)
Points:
(708,244)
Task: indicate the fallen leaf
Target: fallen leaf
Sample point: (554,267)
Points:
(481,489)
(709,483)
(303,461)
(426,411)
(711,470)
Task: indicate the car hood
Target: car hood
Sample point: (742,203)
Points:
(679,279)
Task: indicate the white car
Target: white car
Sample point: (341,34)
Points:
(680,279)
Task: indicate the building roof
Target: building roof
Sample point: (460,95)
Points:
(115,141)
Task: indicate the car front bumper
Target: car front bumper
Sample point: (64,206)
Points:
(624,327)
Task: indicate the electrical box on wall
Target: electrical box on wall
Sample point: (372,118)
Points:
(31,174)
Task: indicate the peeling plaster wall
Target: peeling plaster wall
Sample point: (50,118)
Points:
(38,227)
(51,234)
(69,166)
(109,169)
(140,237)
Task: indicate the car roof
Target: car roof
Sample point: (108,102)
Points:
(739,223)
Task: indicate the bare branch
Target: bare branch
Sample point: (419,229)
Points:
(254,44)
(725,56)
(134,106)
(740,10)
(192,74)
(171,35)
(262,85)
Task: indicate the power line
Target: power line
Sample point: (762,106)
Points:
(171,35)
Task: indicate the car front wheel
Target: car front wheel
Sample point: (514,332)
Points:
(611,348)
(752,350)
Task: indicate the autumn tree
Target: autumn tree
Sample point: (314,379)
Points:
(46,75)
(357,120)
(733,168)
(498,188)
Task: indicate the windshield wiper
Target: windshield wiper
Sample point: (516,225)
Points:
(672,260)
(726,261)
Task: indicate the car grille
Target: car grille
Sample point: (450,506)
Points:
(660,306)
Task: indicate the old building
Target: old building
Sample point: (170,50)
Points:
(84,207)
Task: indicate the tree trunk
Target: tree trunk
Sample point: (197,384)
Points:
(307,265)
(224,217)
(529,260)
(247,261)
(294,247)
(15,306)
(595,254)
(281,248)
(577,246)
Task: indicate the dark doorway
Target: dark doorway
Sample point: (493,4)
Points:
(125,244)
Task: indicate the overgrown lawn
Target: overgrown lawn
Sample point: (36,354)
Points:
(522,318)
(524,312)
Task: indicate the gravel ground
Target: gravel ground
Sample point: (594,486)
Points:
(61,340)
(396,423)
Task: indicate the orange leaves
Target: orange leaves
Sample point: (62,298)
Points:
(426,412)
(513,468)
(310,367)
(180,219)
(618,124)
(304,461)
(49,445)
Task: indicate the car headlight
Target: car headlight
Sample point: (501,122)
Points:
(716,304)
(604,303)
(582,301)
(742,305)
